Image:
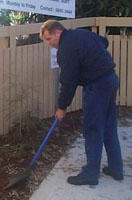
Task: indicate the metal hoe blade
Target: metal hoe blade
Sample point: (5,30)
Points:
(17,178)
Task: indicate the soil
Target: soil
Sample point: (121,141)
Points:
(18,148)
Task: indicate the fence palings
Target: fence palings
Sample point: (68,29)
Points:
(27,83)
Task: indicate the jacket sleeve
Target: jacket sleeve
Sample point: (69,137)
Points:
(69,76)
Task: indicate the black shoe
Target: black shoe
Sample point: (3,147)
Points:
(117,177)
(80,180)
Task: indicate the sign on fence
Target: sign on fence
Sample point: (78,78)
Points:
(62,8)
(54,63)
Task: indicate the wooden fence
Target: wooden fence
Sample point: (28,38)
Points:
(28,84)
(121,48)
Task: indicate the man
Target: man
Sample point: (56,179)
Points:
(85,61)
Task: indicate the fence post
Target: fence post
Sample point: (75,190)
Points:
(94,29)
(12,33)
(101,22)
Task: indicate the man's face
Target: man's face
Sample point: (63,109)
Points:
(52,39)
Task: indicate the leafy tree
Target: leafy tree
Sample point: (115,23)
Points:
(5,18)
(107,8)
(17,17)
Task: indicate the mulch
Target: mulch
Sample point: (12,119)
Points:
(16,153)
(17,150)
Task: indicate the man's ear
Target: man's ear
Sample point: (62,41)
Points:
(58,32)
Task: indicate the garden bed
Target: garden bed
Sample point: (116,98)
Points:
(16,152)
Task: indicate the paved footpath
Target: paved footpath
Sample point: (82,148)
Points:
(55,186)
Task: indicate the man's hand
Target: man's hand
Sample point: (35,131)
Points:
(60,114)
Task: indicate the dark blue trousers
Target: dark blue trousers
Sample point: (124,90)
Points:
(100,126)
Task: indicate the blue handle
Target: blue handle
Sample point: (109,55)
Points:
(44,143)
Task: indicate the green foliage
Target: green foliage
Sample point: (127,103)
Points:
(17,17)
(5,18)
(106,8)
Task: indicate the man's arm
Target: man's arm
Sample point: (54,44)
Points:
(68,61)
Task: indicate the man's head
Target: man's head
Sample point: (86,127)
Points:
(50,31)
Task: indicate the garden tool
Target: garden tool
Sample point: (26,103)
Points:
(21,176)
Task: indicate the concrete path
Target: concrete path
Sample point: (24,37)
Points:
(55,186)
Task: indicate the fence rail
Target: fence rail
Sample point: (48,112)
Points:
(28,84)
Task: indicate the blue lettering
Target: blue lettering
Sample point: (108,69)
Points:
(65,1)
(45,8)
(13,3)
(22,4)
(1,1)
(30,6)
(68,11)
(59,10)
(55,0)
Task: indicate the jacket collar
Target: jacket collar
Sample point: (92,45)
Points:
(62,35)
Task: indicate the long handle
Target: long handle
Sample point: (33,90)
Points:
(44,143)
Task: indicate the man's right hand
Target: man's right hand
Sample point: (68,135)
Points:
(60,114)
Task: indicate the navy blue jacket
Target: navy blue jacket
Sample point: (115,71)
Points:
(83,58)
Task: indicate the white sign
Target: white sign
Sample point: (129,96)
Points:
(53,57)
(62,8)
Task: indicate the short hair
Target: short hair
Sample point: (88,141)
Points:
(51,26)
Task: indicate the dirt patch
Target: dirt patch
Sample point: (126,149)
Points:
(17,152)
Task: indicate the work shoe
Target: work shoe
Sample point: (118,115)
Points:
(117,177)
(80,180)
